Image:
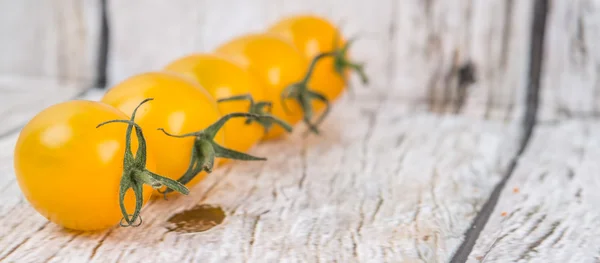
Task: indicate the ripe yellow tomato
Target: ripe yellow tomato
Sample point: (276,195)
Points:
(223,78)
(277,63)
(180,106)
(70,171)
(314,35)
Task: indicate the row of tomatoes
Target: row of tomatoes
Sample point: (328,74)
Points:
(86,165)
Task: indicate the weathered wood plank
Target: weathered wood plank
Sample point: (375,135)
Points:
(148,35)
(387,181)
(49,54)
(571,71)
(50,39)
(22,98)
(549,209)
(464,56)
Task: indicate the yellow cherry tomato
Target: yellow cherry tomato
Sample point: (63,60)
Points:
(314,35)
(180,106)
(70,171)
(223,78)
(277,63)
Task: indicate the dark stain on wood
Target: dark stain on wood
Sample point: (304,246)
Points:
(466,77)
(466,74)
(570,174)
(578,195)
(543,176)
(198,219)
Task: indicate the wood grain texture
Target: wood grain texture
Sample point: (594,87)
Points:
(49,39)
(22,98)
(386,182)
(571,63)
(464,55)
(551,202)
(146,35)
(461,56)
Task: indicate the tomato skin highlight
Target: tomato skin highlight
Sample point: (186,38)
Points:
(179,106)
(276,63)
(313,35)
(223,78)
(70,171)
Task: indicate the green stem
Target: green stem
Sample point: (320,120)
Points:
(341,63)
(301,93)
(205,149)
(314,62)
(135,174)
(261,108)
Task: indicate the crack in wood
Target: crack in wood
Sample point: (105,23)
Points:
(416,221)
(559,238)
(304,166)
(536,225)
(496,241)
(354,245)
(64,245)
(253,237)
(538,30)
(536,209)
(22,242)
(362,218)
(377,206)
(100,243)
(531,248)
(514,212)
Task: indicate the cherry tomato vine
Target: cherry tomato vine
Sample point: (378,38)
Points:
(208,94)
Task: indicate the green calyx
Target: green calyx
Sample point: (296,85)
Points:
(341,63)
(301,93)
(261,108)
(205,149)
(135,174)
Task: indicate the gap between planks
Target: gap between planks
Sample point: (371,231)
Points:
(538,29)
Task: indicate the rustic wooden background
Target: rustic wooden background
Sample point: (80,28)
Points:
(478,139)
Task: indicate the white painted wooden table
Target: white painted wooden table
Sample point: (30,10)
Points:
(477,141)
